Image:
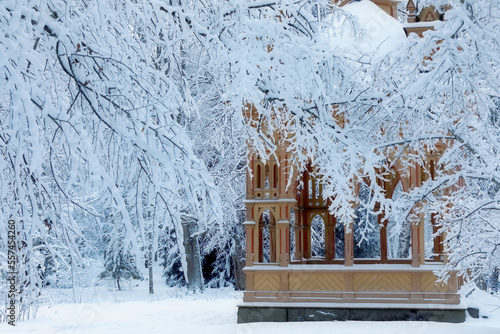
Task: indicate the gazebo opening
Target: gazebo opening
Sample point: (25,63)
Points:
(267,243)
(339,240)
(318,237)
(429,237)
(366,232)
(398,229)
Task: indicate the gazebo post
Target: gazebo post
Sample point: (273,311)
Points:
(330,238)
(284,243)
(349,244)
(249,227)
(415,243)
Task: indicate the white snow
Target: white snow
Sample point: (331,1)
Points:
(423,24)
(380,30)
(341,267)
(214,311)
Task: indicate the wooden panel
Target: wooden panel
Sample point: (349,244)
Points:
(428,284)
(316,282)
(266,282)
(387,282)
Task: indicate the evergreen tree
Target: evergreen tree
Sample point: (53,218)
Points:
(119,263)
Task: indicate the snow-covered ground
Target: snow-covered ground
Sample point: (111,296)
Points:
(213,311)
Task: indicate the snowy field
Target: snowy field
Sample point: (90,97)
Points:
(214,311)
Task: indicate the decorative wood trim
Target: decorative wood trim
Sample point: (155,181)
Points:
(386,282)
(390,285)
(266,282)
(317,282)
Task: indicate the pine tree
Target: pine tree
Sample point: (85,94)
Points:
(119,264)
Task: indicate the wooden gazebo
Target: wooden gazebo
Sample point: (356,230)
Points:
(337,284)
(281,289)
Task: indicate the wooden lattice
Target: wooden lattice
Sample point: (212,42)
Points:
(316,282)
(398,282)
(266,282)
(428,284)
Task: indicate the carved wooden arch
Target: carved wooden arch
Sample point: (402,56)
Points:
(389,179)
(313,213)
(273,210)
(324,217)
(395,171)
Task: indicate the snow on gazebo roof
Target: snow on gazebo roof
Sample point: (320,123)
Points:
(380,32)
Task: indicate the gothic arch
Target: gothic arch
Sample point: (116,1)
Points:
(267,237)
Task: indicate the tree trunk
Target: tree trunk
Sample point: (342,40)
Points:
(238,264)
(150,269)
(193,256)
(150,258)
(118,283)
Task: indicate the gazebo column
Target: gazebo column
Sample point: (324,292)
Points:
(257,242)
(349,233)
(421,237)
(383,238)
(298,242)
(349,244)
(330,238)
(250,227)
(298,234)
(261,242)
(306,233)
(438,246)
(415,243)
(383,233)
(272,243)
(445,251)
(444,245)
(283,243)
